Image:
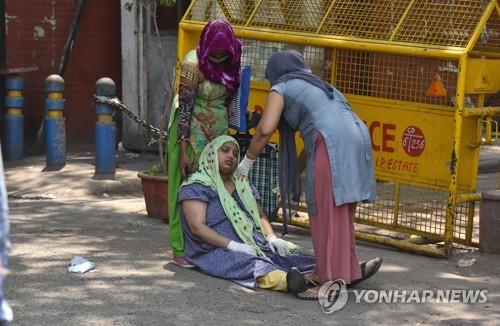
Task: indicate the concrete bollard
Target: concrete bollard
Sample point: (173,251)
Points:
(489,222)
(105,130)
(55,130)
(14,120)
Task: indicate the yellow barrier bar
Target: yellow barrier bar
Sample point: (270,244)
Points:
(476,142)
(431,237)
(333,75)
(400,244)
(470,223)
(455,156)
(464,198)
(480,112)
(486,54)
(480,26)
(325,16)
(399,48)
(488,130)
(400,22)
(406,245)
(397,192)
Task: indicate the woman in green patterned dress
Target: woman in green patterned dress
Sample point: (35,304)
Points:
(208,82)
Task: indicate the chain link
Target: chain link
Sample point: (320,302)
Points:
(116,103)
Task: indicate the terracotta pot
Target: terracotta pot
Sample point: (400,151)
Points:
(155,194)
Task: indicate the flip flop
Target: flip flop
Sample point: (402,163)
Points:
(182,262)
(366,275)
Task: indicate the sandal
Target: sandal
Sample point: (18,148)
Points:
(377,262)
(182,262)
(309,294)
(295,281)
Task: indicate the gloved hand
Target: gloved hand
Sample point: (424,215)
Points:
(244,167)
(279,245)
(241,247)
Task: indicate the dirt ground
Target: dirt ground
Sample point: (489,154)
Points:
(61,214)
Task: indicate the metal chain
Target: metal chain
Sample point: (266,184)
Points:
(116,103)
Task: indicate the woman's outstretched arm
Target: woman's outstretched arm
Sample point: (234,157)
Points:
(267,125)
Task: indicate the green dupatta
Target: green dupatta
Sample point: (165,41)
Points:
(208,175)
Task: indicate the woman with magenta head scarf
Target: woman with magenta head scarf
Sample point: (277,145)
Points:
(339,170)
(208,82)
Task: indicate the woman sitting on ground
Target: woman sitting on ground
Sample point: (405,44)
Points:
(227,235)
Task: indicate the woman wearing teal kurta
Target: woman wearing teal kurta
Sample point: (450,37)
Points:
(209,80)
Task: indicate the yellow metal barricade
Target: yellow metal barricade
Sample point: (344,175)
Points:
(417,72)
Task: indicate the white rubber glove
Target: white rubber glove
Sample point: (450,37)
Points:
(279,245)
(241,247)
(245,167)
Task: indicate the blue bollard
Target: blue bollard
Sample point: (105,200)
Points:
(14,120)
(55,130)
(105,130)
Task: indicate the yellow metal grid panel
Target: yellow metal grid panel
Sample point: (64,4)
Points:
(237,12)
(490,37)
(427,22)
(395,77)
(423,209)
(206,10)
(382,210)
(441,22)
(461,219)
(290,15)
(374,19)
(257,53)
(420,211)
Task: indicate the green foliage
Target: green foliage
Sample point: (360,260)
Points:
(155,169)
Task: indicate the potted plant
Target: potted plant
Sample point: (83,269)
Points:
(154,180)
(155,187)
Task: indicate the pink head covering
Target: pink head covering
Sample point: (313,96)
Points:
(218,35)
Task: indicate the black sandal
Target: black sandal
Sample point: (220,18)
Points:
(296,283)
(367,274)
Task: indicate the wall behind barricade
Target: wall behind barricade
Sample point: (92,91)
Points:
(36,32)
